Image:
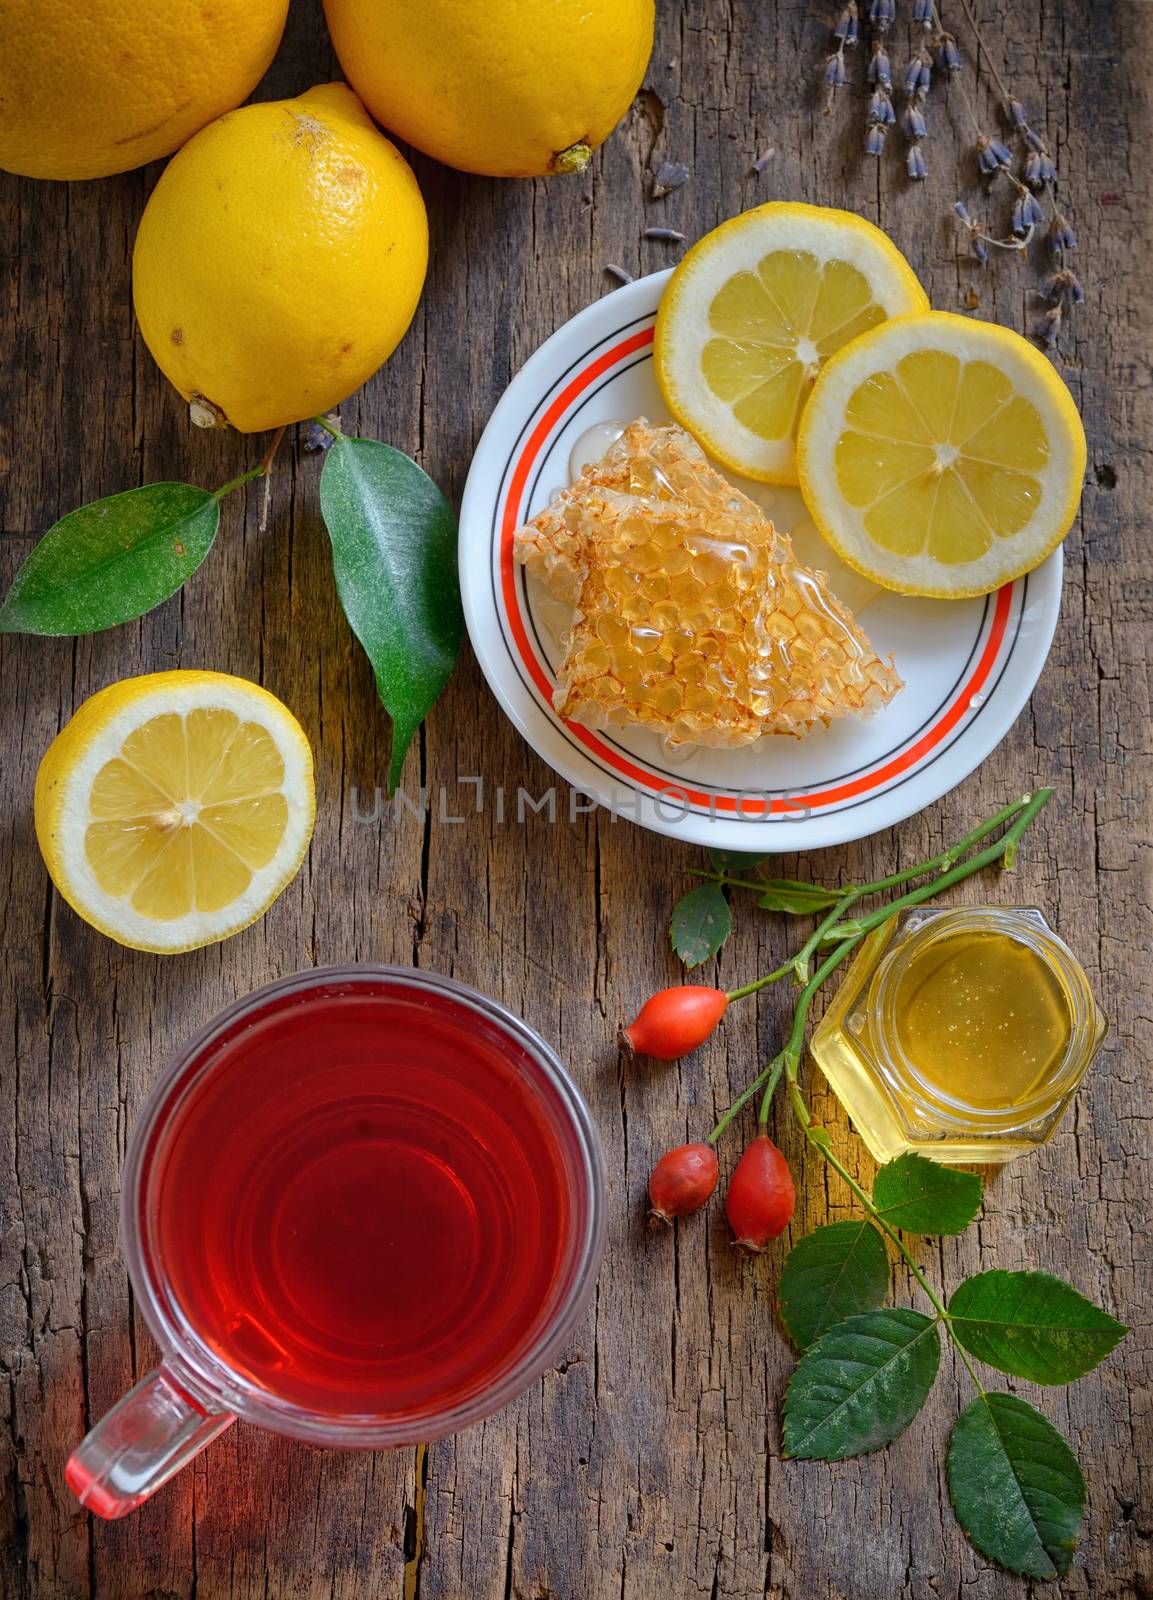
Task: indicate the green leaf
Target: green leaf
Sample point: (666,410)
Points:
(861,1384)
(1016,1486)
(735,861)
(786,894)
(394,555)
(835,1271)
(701,923)
(111,561)
(923,1197)
(1032,1325)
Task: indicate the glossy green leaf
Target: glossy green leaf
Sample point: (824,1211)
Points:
(111,561)
(799,899)
(1032,1325)
(1015,1486)
(394,556)
(924,1197)
(701,922)
(736,862)
(834,1272)
(861,1384)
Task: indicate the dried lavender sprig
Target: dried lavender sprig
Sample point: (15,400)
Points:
(1064,287)
(881,114)
(980,240)
(1027,213)
(992,156)
(846,31)
(1040,174)
(915,164)
(917,82)
(845,35)
(835,77)
(1061,235)
(1048,327)
(880,71)
(946,54)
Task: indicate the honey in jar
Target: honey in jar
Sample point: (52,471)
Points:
(961,1035)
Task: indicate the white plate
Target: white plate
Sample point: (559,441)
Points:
(969,665)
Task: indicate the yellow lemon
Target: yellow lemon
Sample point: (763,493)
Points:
(174,808)
(89,87)
(755,308)
(510,88)
(280,259)
(941,456)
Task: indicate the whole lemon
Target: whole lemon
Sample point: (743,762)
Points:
(511,88)
(280,259)
(89,87)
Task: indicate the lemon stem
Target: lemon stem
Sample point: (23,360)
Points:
(260,470)
(574,159)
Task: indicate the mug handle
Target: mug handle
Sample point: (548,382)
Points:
(143,1441)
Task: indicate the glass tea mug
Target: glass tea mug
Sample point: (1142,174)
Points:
(400,1094)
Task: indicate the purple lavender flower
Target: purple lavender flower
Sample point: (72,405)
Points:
(880,71)
(846,29)
(1064,285)
(1061,235)
(875,140)
(1048,327)
(881,111)
(948,56)
(992,155)
(1027,214)
(835,72)
(1039,169)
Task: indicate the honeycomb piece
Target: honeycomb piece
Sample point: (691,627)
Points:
(660,463)
(692,617)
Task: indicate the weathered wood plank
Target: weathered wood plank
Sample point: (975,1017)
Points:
(648,1462)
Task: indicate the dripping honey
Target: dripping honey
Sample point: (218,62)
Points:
(961,1035)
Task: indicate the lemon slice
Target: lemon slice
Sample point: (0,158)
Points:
(174,808)
(754,310)
(941,456)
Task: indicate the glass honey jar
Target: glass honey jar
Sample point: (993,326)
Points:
(960,1035)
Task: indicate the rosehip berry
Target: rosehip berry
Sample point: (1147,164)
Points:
(674,1021)
(682,1181)
(761,1195)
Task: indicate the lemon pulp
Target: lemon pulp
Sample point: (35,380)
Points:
(941,456)
(186,813)
(771,329)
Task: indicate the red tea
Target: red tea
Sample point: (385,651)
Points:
(363,1208)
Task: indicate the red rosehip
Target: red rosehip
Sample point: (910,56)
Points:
(682,1181)
(761,1196)
(674,1021)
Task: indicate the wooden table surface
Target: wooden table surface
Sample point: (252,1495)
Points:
(646,1465)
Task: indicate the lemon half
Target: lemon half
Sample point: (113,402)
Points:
(174,808)
(752,313)
(941,456)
